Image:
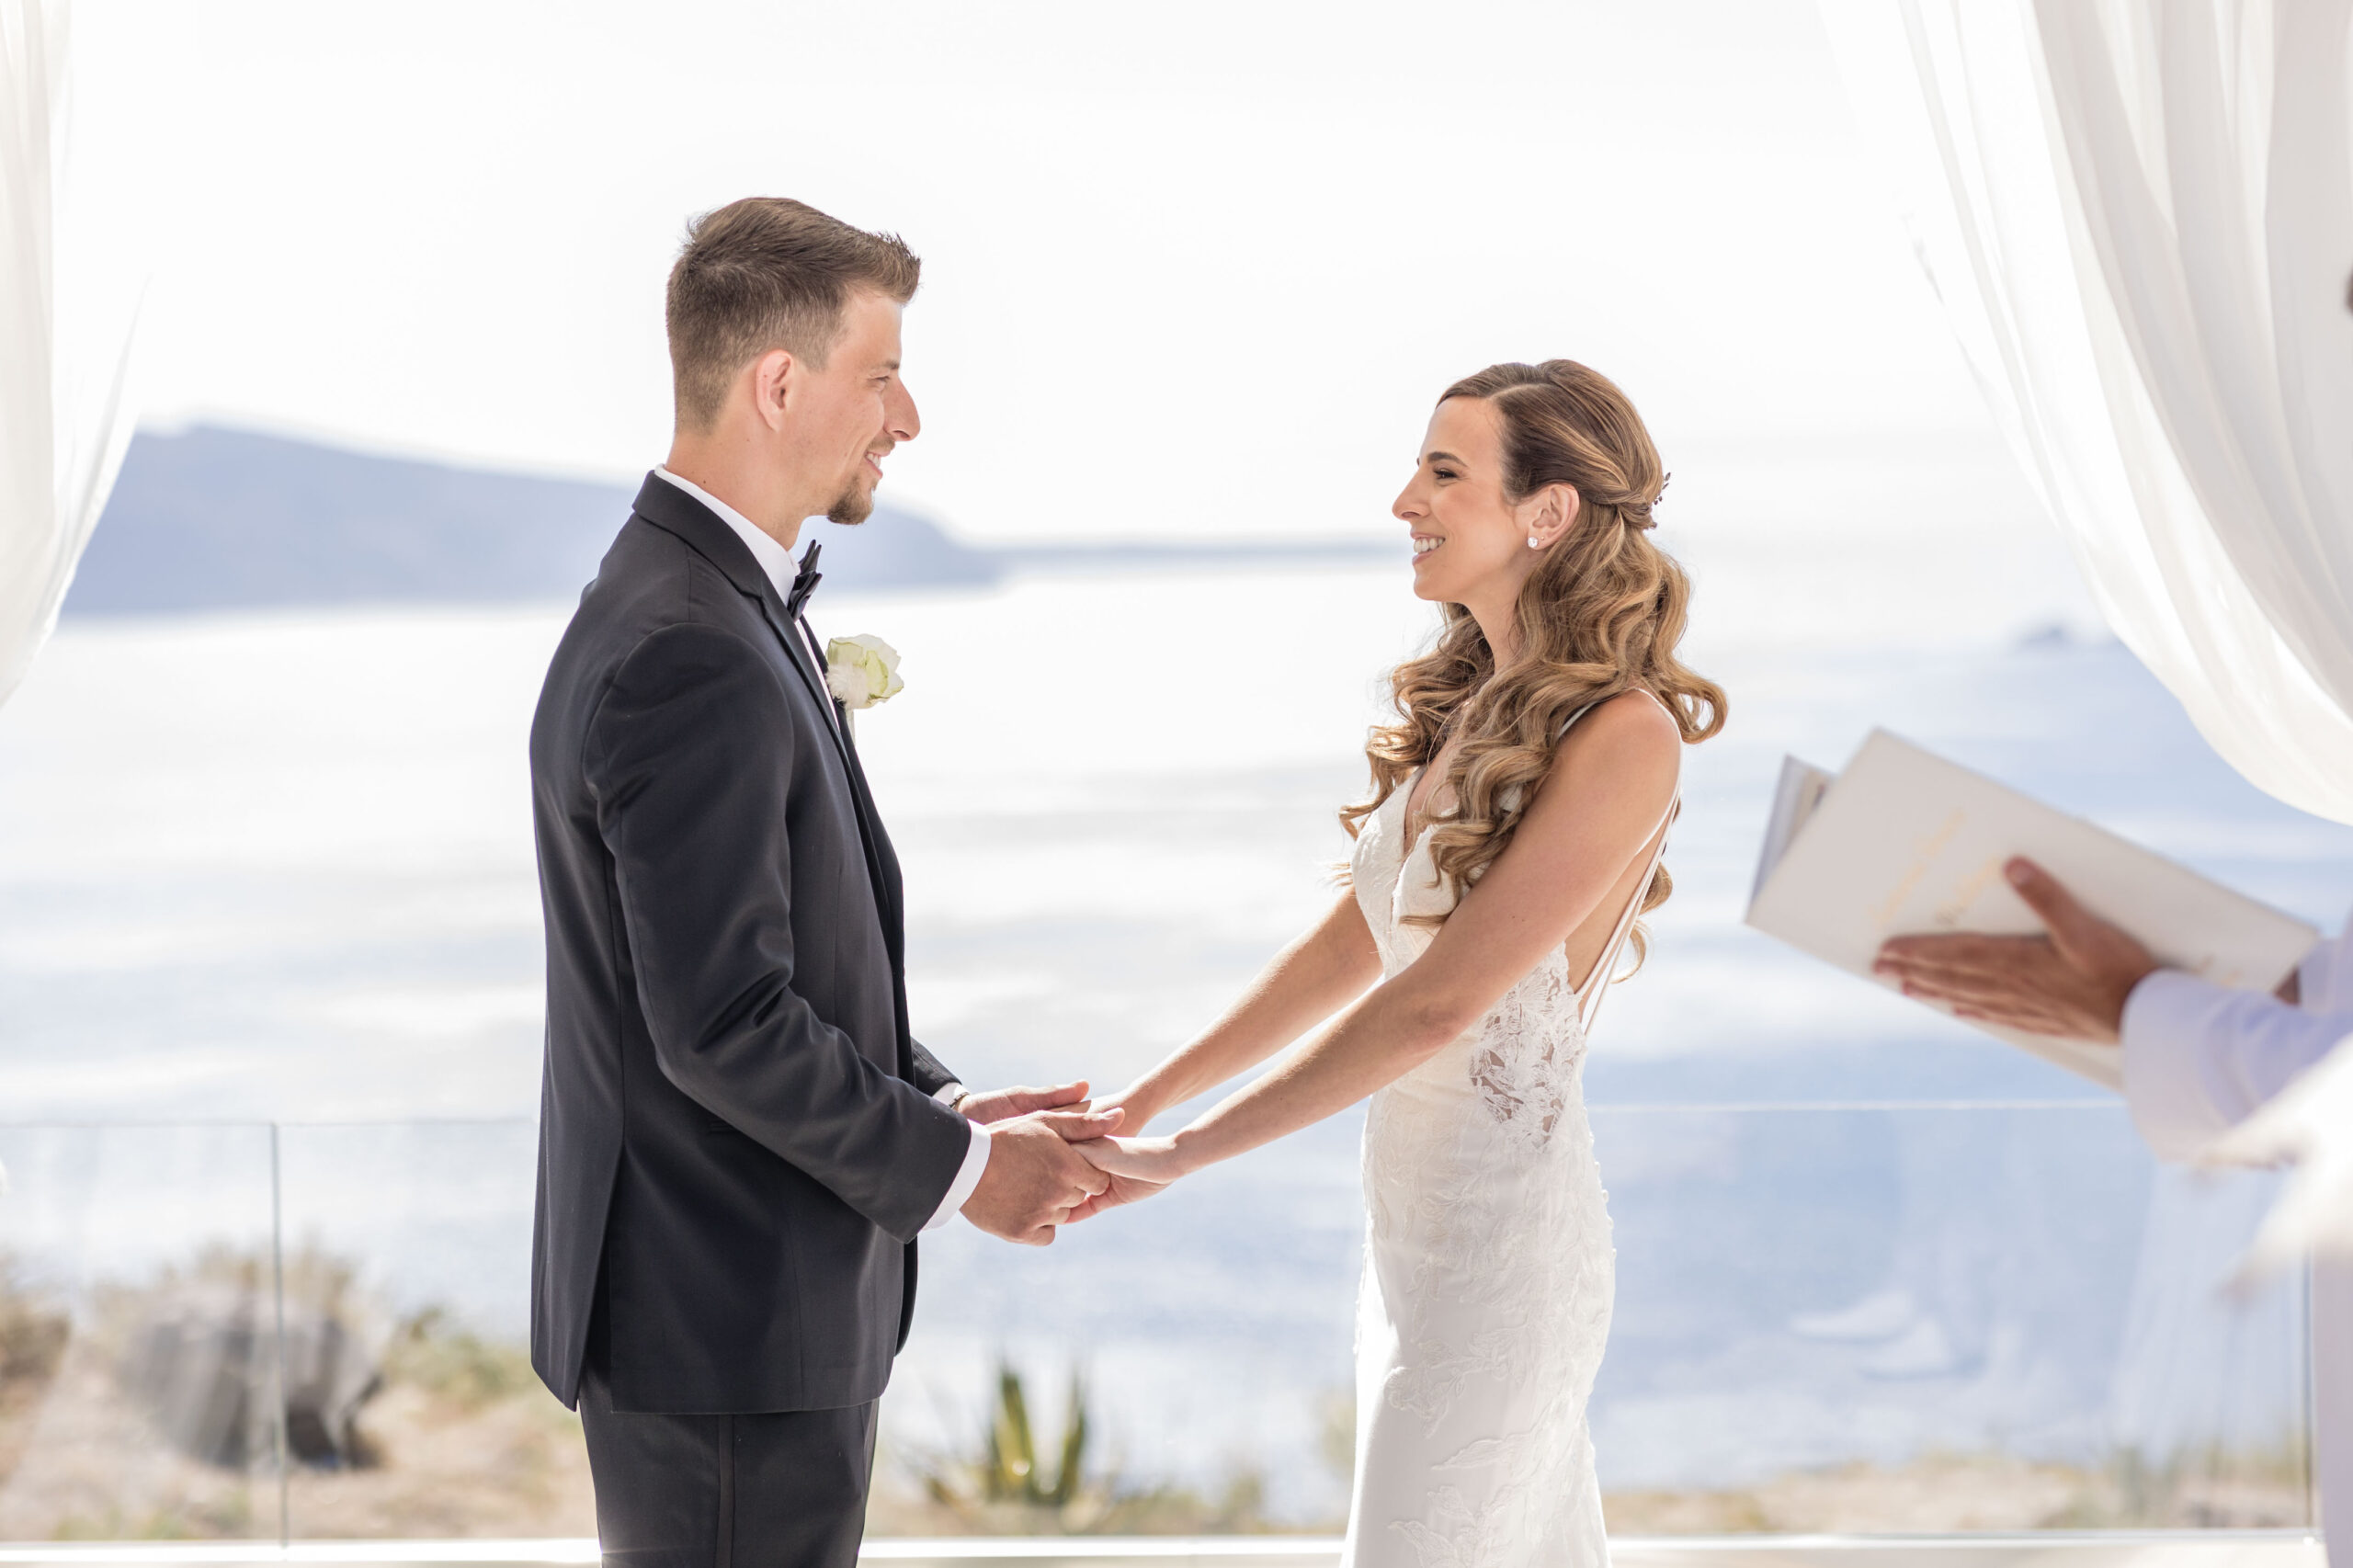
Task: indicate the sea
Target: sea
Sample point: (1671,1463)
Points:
(270,955)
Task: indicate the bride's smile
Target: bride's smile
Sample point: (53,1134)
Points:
(1473,544)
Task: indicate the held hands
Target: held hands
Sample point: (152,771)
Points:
(1115,1159)
(1036,1179)
(2072,981)
(1000,1105)
(1136,1168)
(1154,1160)
(1052,1163)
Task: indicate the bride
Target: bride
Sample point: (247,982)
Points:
(1519,809)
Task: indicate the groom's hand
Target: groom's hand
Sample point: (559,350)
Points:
(1124,1190)
(1002,1105)
(1034,1178)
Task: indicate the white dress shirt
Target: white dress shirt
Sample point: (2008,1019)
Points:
(777,562)
(2198,1058)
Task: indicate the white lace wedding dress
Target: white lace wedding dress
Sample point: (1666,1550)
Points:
(1488,1266)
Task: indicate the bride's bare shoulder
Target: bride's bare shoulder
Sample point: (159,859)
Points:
(1630,725)
(1629,743)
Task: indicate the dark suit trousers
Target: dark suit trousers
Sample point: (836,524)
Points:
(777,1491)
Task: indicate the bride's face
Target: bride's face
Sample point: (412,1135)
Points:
(1470,544)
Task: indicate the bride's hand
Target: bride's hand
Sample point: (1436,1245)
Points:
(1139,1107)
(1154,1160)
(1138,1168)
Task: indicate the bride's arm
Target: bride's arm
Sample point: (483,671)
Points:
(1302,985)
(1598,809)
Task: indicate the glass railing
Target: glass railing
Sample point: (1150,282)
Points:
(1862,1318)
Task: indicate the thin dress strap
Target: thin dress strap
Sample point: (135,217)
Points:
(1597,979)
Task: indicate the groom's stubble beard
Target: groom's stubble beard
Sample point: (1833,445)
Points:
(852,506)
(855,503)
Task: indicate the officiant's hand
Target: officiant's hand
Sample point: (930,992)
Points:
(2070,982)
(1036,1177)
(1002,1105)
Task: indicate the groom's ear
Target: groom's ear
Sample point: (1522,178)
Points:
(775,380)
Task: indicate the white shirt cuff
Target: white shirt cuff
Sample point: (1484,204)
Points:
(976,1159)
(2318,978)
(2164,1032)
(2198,1058)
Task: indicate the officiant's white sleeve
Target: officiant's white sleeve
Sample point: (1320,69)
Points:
(976,1159)
(2324,980)
(2198,1058)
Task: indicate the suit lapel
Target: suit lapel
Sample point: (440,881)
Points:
(796,650)
(675,512)
(889,888)
(882,869)
(869,826)
(883,865)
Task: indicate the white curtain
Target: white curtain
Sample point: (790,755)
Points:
(64,340)
(2139,215)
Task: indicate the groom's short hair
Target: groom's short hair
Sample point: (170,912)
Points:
(767,272)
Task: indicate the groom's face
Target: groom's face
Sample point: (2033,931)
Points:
(849,413)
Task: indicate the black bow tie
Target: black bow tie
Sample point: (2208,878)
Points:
(803,584)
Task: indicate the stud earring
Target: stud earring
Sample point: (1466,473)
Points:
(1535,543)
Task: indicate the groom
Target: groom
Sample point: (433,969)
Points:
(739,1139)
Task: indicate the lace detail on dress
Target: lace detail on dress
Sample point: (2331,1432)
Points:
(1458,1536)
(1529,1052)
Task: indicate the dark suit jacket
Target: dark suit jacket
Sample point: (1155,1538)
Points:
(737,1144)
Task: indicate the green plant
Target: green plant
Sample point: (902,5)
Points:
(1006,1485)
(1009,1471)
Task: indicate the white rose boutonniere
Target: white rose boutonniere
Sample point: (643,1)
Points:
(861,671)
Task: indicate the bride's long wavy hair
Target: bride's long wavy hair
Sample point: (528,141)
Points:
(1601,616)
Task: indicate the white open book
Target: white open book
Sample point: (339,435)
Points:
(1904,842)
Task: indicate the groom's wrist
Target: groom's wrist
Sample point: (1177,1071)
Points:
(968,1178)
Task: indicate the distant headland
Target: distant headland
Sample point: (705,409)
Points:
(213,518)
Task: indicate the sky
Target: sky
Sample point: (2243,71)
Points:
(1191,271)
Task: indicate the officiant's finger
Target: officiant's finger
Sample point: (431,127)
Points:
(1952,946)
(2018,979)
(2072,925)
(1955,955)
(1944,949)
(2009,992)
